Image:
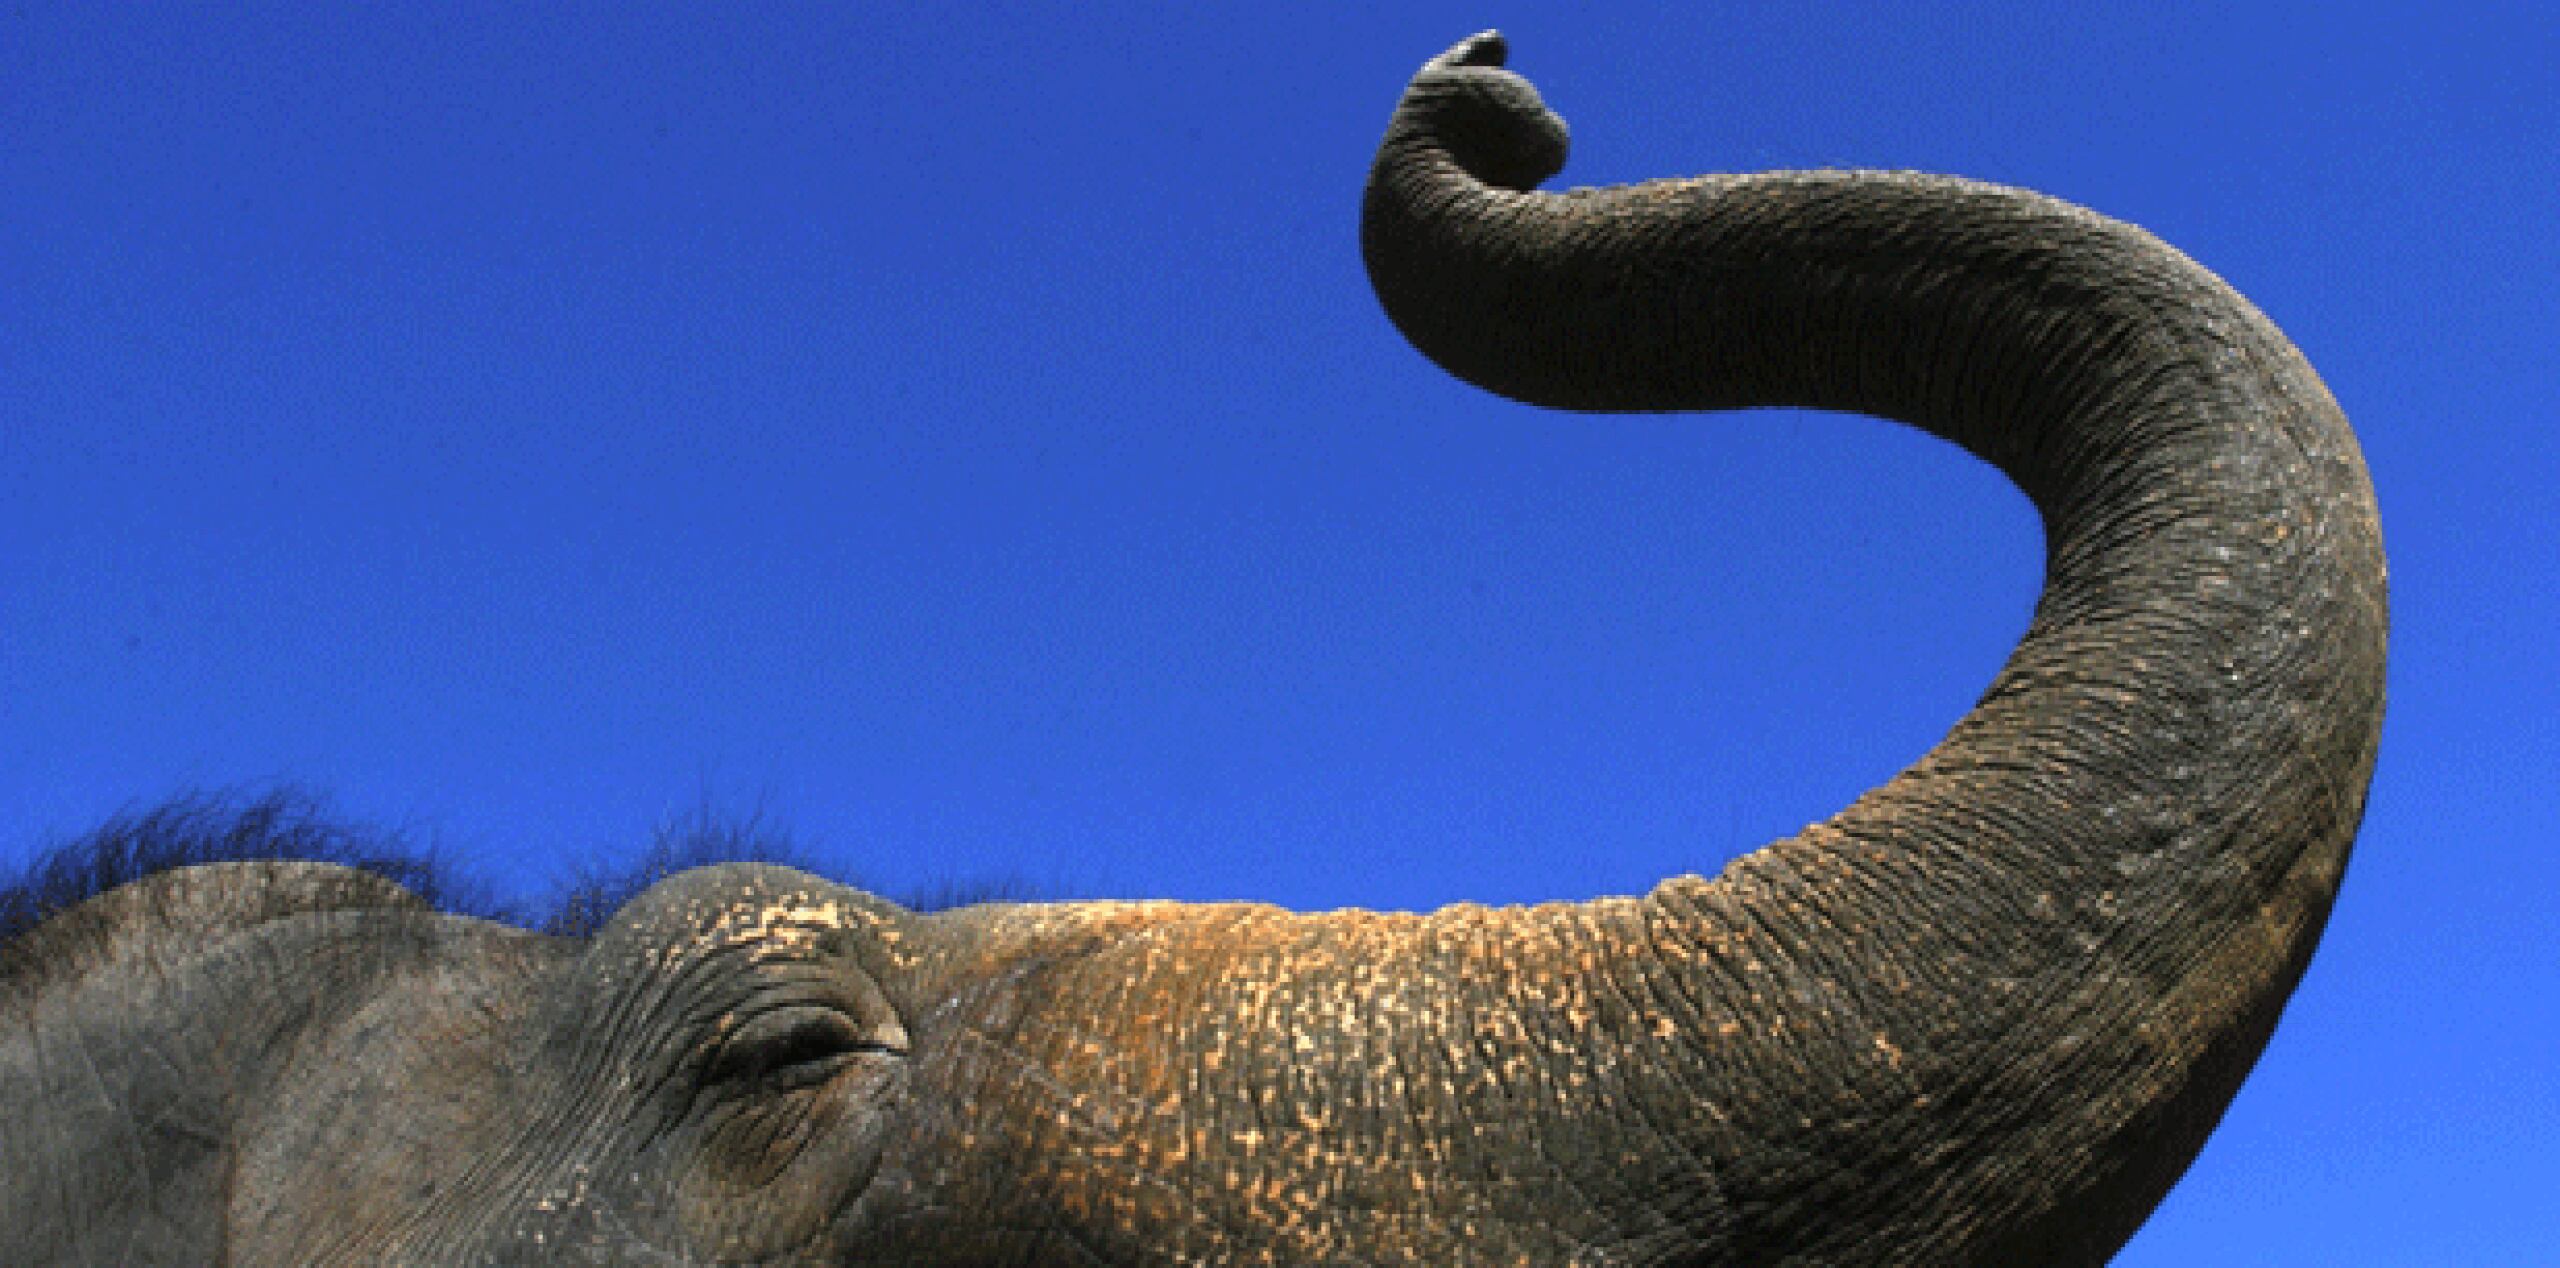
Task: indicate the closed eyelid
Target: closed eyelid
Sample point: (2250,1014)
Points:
(837,987)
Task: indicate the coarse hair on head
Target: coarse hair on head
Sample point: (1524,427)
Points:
(292,825)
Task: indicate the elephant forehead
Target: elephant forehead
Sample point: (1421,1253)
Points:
(787,923)
(787,926)
(763,912)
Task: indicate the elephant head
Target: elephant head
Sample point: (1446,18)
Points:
(1988,1012)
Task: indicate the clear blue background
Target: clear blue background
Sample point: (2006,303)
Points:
(971,442)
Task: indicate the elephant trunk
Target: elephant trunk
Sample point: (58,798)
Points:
(1988,1013)
(2024,977)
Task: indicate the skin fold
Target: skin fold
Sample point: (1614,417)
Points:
(1987,1013)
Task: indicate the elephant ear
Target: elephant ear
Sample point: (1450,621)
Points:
(142,1033)
(159,883)
(159,920)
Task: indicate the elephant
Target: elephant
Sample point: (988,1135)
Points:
(1987,1013)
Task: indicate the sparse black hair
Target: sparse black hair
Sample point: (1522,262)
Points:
(227,828)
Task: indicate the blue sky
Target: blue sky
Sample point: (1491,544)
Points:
(971,443)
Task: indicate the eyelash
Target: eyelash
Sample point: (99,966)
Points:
(788,1054)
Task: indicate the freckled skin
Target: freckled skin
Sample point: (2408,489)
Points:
(1987,1013)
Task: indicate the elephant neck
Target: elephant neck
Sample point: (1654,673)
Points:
(2066,931)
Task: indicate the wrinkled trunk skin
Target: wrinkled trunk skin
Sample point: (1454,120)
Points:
(1988,1013)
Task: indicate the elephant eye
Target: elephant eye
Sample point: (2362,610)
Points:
(789,1048)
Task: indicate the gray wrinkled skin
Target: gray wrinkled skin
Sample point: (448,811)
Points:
(1988,1013)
